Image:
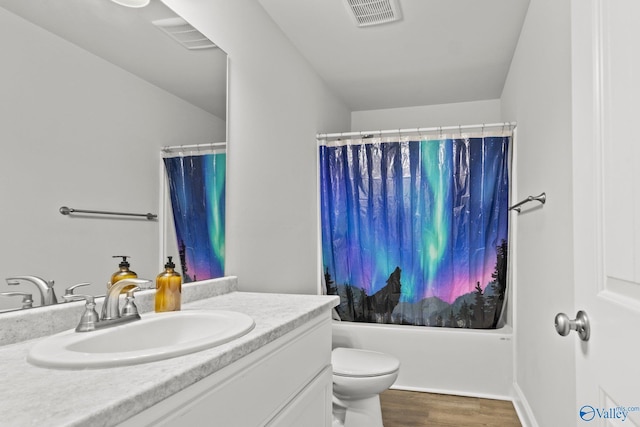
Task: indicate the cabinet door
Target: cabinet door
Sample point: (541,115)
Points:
(312,407)
(256,389)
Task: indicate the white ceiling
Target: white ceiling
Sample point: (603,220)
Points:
(442,51)
(126,38)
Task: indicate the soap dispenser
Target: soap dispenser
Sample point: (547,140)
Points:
(123,273)
(168,288)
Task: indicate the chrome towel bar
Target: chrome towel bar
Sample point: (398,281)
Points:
(68,211)
(542,198)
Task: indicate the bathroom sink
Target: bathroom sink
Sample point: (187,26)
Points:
(156,336)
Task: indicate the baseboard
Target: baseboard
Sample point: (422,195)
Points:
(453,392)
(525,414)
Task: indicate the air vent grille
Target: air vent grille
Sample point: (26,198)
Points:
(373,12)
(184,33)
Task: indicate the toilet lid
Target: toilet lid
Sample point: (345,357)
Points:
(353,362)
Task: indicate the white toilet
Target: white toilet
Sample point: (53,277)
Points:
(359,376)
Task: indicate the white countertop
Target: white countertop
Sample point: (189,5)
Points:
(34,396)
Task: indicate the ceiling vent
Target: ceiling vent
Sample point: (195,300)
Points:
(374,12)
(184,33)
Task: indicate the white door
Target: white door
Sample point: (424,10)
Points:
(606,177)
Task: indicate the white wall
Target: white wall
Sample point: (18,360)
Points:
(77,131)
(277,104)
(460,113)
(538,96)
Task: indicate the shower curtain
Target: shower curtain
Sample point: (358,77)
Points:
(197,189)
(415,229)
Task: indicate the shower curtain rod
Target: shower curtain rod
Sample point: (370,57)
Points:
(172,148)
(440,129)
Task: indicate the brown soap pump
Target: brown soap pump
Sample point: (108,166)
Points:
(123,273)
(168,289)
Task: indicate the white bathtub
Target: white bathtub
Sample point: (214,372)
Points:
(463,362)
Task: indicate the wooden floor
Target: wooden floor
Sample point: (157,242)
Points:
(415,409)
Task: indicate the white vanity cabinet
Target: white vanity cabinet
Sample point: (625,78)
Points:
(278,374)
(286,383)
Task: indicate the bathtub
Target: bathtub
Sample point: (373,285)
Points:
(465,362)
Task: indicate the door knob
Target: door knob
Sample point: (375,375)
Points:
(564,325)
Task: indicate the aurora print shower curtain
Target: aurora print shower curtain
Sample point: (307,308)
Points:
(415,230)
(197,190)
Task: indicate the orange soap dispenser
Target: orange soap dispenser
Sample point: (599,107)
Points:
(168,288)
(123,273)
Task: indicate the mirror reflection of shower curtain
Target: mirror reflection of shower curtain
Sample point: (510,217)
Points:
(415,231)
(197,189)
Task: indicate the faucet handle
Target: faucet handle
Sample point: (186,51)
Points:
(75,297)
(89,317)
(130,308)
(27,299)
(69,291)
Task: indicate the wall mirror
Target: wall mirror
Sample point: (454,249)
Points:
(92,92)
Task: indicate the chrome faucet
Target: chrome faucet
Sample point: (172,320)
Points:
(47,295)
(111,316)
(111,305)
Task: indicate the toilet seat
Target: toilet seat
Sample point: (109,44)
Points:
(351,362)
